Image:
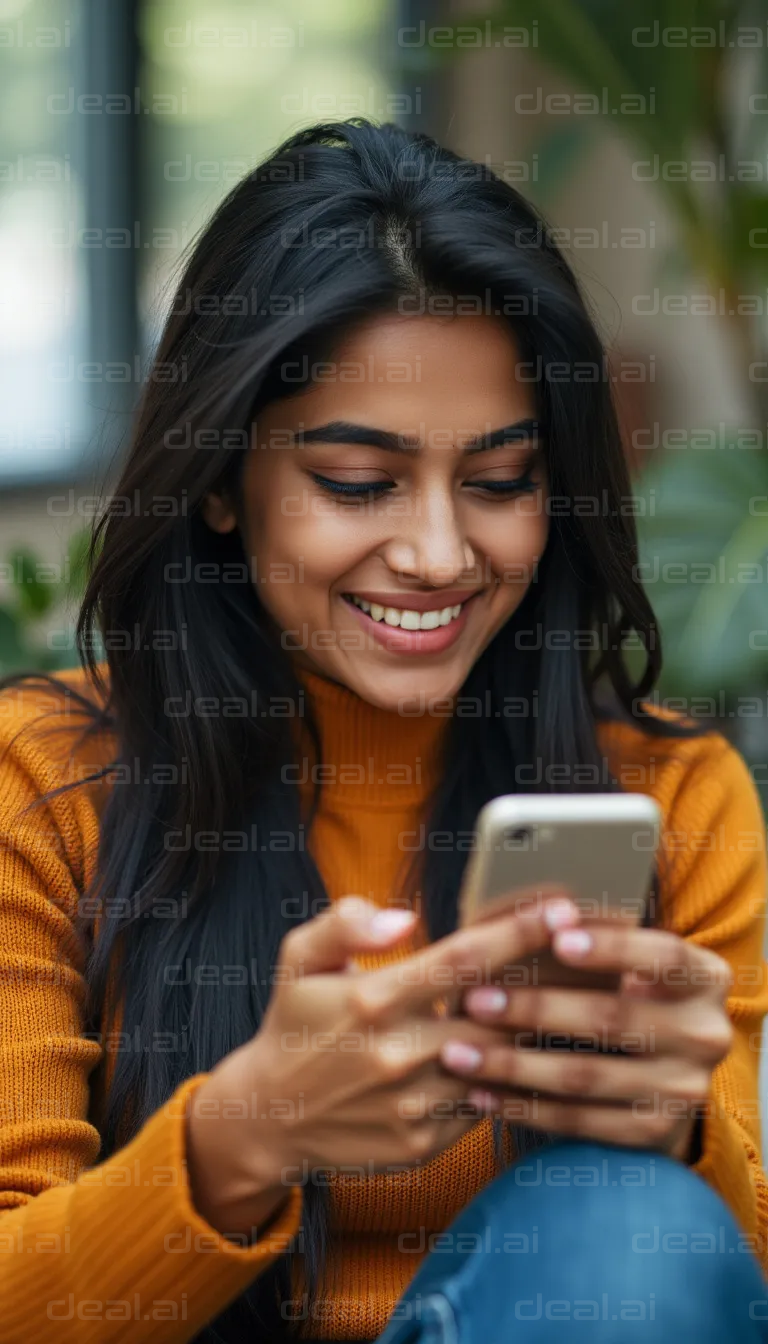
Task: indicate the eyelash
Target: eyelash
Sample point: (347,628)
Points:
(520,485)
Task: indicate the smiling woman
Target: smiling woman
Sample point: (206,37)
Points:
(366,621)
(420,526)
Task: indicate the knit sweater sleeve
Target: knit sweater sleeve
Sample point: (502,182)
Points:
(716,894)
(86,1251)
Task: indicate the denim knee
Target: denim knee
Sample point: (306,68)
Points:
(605,1237)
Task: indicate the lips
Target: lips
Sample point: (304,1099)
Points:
(446,597)
(405,639)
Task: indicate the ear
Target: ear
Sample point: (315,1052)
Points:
(218,512)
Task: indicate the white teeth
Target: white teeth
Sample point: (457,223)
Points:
(405,618)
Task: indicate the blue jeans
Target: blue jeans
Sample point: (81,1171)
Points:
(588,1242)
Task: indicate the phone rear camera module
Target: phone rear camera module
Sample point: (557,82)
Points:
(518,837)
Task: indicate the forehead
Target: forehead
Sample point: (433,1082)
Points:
(415,374)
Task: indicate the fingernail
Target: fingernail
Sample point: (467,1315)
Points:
(559,913)
(573,942)
(486,999)
(459,1055)
(386,923)
(354,907)
(484,1101)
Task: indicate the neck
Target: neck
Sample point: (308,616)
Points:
(369,755)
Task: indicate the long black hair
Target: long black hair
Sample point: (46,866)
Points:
(345,220)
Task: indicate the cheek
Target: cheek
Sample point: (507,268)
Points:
(310,539)
(514,543)
(329,540)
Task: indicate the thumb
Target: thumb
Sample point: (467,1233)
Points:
(352,924)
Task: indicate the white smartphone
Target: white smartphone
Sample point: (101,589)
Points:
(601,846)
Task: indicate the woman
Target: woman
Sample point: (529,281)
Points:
(351,586)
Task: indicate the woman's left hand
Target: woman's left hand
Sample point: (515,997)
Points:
(669,1017)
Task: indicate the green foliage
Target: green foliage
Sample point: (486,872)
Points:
(36,603)
(618,53)
(705,546)
(704,557)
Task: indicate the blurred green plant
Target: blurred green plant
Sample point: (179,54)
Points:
(687,69)
(37,607)
(668,63)
(704,563)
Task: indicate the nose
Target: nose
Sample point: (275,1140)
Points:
(431,544)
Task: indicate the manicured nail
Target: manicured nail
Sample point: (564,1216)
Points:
(484,1101)
(354,907)
(387,923)
(488,1000)
(573,942)
(461,1056)
(560,913)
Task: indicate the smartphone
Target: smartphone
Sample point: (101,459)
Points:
(601,846)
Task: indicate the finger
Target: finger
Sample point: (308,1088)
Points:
(608,1124)
(426,1090)
(435,1097)
(468,957)
(351,925)
(556,1017)
(410,1050)
(646,1081)
(430,1107)
(654,961)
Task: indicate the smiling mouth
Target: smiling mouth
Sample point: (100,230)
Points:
(404,618)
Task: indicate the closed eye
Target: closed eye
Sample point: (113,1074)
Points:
(355,488)
(524,484)
(520,485)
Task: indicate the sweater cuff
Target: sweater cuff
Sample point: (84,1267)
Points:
(177,1252)
(278,1235)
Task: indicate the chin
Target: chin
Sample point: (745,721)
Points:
(388,690)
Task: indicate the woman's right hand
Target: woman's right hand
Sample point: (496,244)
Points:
(344,1072)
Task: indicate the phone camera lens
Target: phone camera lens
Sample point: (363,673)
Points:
(518,837)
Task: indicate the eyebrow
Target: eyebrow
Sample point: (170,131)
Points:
(343,431)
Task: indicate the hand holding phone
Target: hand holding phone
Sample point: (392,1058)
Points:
(599,847)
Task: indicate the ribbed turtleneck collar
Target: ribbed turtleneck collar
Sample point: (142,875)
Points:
(370,756)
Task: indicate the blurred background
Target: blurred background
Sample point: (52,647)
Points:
(640,130)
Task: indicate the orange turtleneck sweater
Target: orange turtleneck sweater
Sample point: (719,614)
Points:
(87,1254)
